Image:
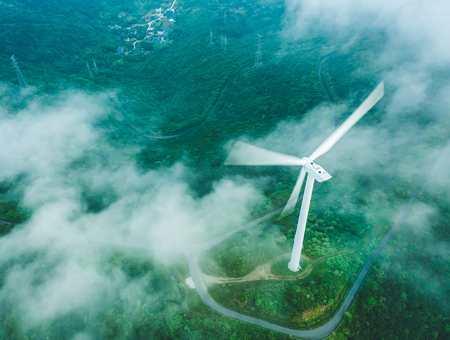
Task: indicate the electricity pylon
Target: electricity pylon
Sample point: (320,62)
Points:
(95,66)
(225,45)
(211,38)
(22,81)
(258,58)
(89,70)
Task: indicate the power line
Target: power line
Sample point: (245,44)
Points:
(22,81)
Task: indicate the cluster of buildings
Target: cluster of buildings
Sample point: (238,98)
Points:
(159,23)
(158,36)
(170,15)
(120,33)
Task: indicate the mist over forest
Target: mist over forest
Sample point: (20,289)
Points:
(109,183)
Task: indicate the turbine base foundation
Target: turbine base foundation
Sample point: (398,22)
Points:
(294,268)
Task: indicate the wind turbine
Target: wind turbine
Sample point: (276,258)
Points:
(246,154)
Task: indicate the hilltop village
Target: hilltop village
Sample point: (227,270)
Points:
(157,26)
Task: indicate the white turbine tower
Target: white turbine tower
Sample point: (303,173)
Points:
(246,154)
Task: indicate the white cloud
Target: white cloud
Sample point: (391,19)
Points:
(55,146)
(420,25)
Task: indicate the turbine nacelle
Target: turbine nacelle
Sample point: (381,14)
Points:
(315,170)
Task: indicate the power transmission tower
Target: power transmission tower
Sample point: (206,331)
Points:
(225,46)
(225,18)
(22,81)
(89,70)
(95,66)
(221,41)
(258,58)
(211,38)
(45,71)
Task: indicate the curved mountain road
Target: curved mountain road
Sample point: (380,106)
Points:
(211,111)
(326,329)
(322,331)
(330,100)
(8,222)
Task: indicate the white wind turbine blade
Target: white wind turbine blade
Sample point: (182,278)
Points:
(246,154)
(290,205)
(370,101)
(294,264)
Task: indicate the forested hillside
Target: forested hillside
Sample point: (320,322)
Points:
(183,102)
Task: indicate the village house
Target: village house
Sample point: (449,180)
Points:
(114,27)
(171,14)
